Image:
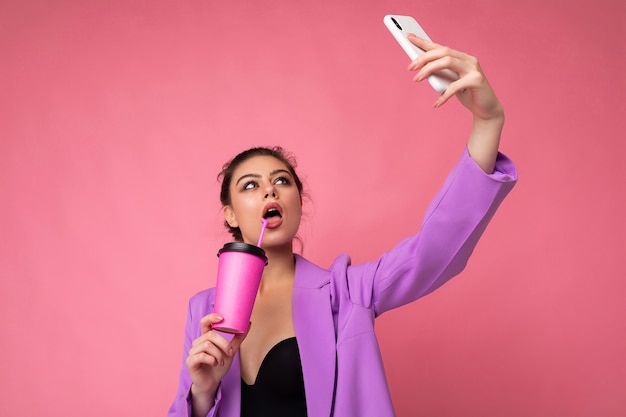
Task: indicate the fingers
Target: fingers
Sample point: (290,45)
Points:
(207,322)
(431,50)
(453,89)
(203,356)
(211,348)
(461,87)
(437,57)
(422,43)
(441,59)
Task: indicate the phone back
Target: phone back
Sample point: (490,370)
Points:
(400,27)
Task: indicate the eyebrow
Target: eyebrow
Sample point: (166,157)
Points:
(276,171)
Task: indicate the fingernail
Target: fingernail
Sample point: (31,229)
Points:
(220,318)
(231,351)
(222,362)
(419,76)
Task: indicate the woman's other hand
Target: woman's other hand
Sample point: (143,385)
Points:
(210,357)
(472,87)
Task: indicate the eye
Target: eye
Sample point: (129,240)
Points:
(249,185)
(282,181)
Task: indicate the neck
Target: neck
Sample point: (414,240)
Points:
(280,267)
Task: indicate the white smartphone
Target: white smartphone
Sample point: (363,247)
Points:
(400,27)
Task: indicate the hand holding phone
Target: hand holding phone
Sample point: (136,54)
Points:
(400,27)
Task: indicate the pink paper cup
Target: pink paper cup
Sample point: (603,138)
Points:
(239,272)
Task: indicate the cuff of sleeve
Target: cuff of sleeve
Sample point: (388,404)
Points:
(213,410)
(504,170)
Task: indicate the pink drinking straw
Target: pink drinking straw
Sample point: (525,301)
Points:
(264,221)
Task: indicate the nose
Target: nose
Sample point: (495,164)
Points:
(270,191)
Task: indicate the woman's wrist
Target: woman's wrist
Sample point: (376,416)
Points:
(485,140)
(493,124)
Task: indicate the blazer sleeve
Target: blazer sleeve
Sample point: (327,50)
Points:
(198,307)
(450,230)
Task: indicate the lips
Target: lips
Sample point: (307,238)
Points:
(273,213)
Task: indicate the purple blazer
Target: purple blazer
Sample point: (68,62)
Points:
(334,309)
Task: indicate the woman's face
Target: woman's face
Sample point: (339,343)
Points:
(262,187)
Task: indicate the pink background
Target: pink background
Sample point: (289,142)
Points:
(116,116)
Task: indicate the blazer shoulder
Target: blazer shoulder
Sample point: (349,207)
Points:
(202,302)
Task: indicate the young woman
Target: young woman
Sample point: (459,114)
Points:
(311,348)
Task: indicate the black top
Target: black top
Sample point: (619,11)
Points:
(279,387)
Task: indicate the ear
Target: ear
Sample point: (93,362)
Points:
(229,216)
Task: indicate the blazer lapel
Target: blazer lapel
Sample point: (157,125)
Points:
(315,331)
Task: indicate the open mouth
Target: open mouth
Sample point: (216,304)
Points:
(272,212)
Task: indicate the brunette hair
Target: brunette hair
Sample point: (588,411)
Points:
(228,169)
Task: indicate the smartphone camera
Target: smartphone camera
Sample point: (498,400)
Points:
(395,22)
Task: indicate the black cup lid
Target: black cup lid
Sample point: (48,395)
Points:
(243,247)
